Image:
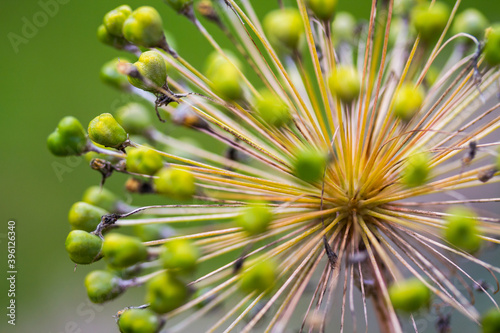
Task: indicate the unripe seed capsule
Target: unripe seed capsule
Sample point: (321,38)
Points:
(134,118)
(472,22)
(114,19)
(255,219)
(284,28)
(139,321)
(181,254)
(123,251)
(175,183)
(345,83)
(223,74)
(144,27)
(106,131)
(410,295)
(106,38)
(407,102)
(69,138)
(152,67)
(323,9)
(343,27)
(417,170)
(272,109)
(429,20)
(258,277)
(180,6)
(100,197)
(309,164)
(83,216)
(462,229)
(492,46)
(110,75)
(165,293)
(143,160)
(491,321)
(83,248)
(102,286)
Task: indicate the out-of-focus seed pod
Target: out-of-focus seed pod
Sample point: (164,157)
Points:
(272,109)
(84,216)
(123,251)
(491,49)
(462,229)
(139,321)
(110,75)
(491,321)
(134,118)
(323,9)
(471,21)
(284,28)
(180,254)
(175,183)
(100,197)
(255,219)
(102,286)
(309,164)
(143,160)
(345,83)
(429,20)
(259,277)
(165,293)
(409,295)
(417,170)
(343,27)
(407,102)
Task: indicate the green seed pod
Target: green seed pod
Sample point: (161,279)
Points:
(139,321)
(114,19)
(106,38)
(100,197)
(345,83)
(149,232)
(410,295)
(472,22)
(284,28)
(123,251)
(165,293)
(69,138)
(323,9)
(407,102)
(491,321)
(462,229)
(272,109)
(134,118)
(223,74)
(309,165)
(255,219)
(151,66)
(143,160)
(110,75)
(83,248)
(102,286)
(83,216)
(106,131)
(180,254)
(491,49)
(259,277)
(175,183)
(180,6)
(343,27)
(417,170)
(430,21)
(144,27)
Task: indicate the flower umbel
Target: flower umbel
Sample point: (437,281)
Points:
(338,136)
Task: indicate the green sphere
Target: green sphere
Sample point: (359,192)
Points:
(309,165)
(491,321)
(105,130)
(110,75)
(165,293)
(106,38)
(259,277)
(323,9)
(408,101)
(175,183)
(430,21)
(345,83)
(255,219)
(134,118)
(462,229)
(143,160)
(410,295)
(272,109)
(284,28)
(180,6)
(100,197)
(69,138)
(343,27)
(139,321)
(123,251)
(114,19)
(151,66)
(83,216)
(102,286)
(83,248)
(224,75)
(144,27)
(470,21)
(417,170)
(180,254)
(492,46)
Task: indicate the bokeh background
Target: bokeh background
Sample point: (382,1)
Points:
(52,73)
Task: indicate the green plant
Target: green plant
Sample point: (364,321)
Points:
(337,137)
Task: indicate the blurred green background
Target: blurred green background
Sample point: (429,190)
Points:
(51,74)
